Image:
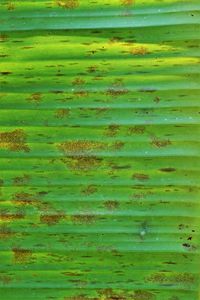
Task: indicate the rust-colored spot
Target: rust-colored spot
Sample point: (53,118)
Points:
(24,199)
(136,130)
(21,180)
(118,145)
(80,93)
(5,279)
(185,278)
(83,218)
(14,140)
(62,113)
(10,217)
(143,295)
(80,146)
(168,170)
(69,4)
(92,69)
(10,6)
(78,81)
(114,92)
(110,294)
(51,219)
(82,162)
(4,73)
(5,232)
(139,51)
(35,97)
(127,2)
(112,130)
(21,255)
(1,182)
(3,38)
(140,176)
(160,143)
(111,204)
(89,190)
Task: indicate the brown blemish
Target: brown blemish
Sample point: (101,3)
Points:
(68,4)
(1,182)
(4,73)
(5,279)
(111,204)
(5,232)
(82,162)
(92,69)
(80,93)
(14,140)
(3,38)
(112,130)
(143,295)
(21,255)
(36,98)
(24,199)
(10,6)
(139,51)
(78,81)
(185,278)
(51,219)
(10,217)
(62,113)
(110,294)
(21,180)
(83,218)
(127,2)
(140,176)
(168,170)
(136,130)
(89,190)
(118,145)
(160,143)
(80,146)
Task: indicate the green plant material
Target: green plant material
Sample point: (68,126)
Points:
(99,150)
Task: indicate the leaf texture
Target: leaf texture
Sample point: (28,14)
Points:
(99,150)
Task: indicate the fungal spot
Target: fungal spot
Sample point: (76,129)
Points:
(68,4)
(5,232)
(3,38)
(111,204)
(127,2)
(62,113)
(80,147)
(177,278)
(78,81)
(21,255)
(10,6)
(89,190)
(167,170)
(83,218)
(14,141)
(118,145)
(136,130)
(51,219)
(35,98)
(157,99)
(139,51)
(112,130)
(160,143)
(21,180)
(140,176)
(1,182)
(82,162)
(92,69)
(143,295)
(5,73)
(24,199)
(5,279)
(8,217)
(111,294)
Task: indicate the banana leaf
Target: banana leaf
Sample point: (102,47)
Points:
(99,150)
